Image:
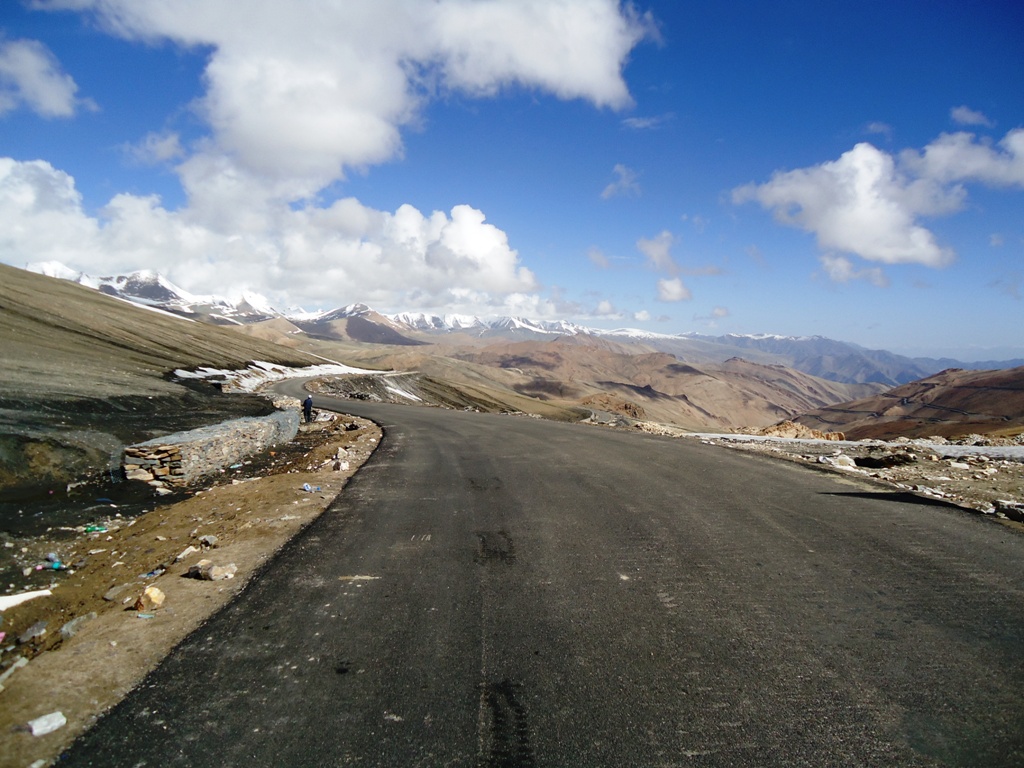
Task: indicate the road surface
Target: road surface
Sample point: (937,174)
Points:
(496,591)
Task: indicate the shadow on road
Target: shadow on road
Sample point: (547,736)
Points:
(904,497)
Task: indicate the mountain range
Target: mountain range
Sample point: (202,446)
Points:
(90,364)
(825,358)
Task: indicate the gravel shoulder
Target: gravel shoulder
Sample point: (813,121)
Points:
(974,474)
(116,645)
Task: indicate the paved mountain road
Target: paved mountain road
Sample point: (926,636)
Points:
(496,591)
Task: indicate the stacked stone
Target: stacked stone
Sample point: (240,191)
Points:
(185,457)
(154,464)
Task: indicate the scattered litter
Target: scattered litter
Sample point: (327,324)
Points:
(21,662)
(358,578)
(71,628)
(47,723)
(9,601)
(310,489)
(189,550)
(145,615)
(95,529)
(36,630)
(154,573)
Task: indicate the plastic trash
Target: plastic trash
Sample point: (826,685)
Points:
(47,723)
(306,487)
(95,529)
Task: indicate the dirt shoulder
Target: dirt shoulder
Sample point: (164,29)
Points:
(116,644)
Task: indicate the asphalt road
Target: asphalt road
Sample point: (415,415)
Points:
(497,591)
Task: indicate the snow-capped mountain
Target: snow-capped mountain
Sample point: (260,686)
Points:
(152,289)
(826,358)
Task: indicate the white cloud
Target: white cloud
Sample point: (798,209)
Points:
(658,251)
(156,148)
(673,289)
(859,204)
(964,115)
(841,270)
(642,316)
(335,255)
(31,76)
(624,185)
(299,92)
(869,203)
(598,258)
(296,96)
(962,157)
(878,128)
(646,123)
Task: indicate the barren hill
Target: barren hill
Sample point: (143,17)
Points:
(83,372)
(952,403)
(730,394)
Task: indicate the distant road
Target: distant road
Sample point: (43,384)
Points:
(496,591)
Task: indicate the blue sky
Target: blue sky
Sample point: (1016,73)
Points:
(848,169)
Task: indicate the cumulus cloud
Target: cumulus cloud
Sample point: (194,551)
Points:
(342,253)
(642,316)
(673,289)
(31,76)
(964,115)
(658,251)
(858,204)
(156,148)
(870,203)
(624,185)
(879,128)
(962,157)
(841,270)
(299,92)
(296,96)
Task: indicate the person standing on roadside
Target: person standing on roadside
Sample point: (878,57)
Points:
(307,408)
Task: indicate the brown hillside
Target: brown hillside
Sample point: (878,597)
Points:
(952,403)
(734,393)
(83,373)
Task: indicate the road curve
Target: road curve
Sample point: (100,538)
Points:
(496,591)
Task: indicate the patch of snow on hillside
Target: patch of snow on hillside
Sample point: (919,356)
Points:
(261,373)
(402,393)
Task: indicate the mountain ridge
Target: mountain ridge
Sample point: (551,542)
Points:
(840,361)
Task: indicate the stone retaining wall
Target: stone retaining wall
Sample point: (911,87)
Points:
(185,457)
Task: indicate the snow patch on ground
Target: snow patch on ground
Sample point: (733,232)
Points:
(261,373)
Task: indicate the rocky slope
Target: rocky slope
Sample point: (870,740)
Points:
(951,403)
